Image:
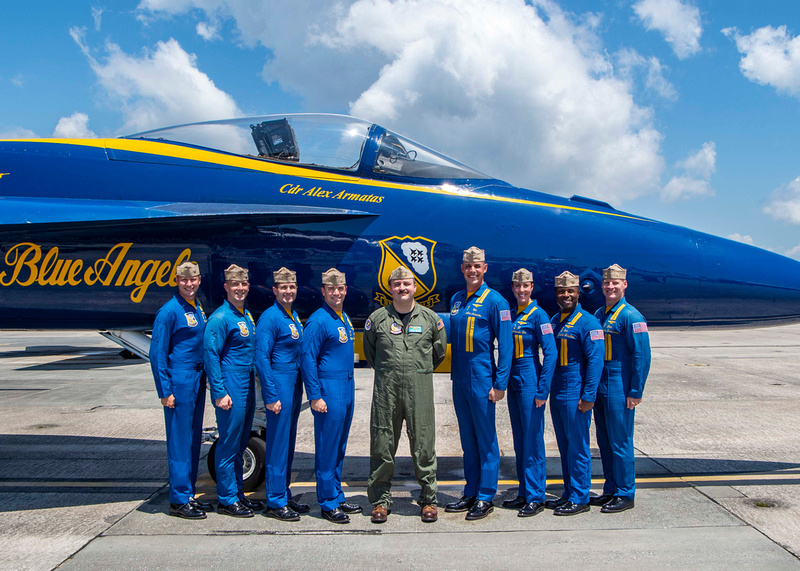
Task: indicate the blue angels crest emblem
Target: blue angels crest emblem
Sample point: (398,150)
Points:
(416,254)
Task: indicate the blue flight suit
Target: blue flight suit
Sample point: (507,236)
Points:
(176,359)
(475,322)
(279,338)
(327,367)
(627,363)
(530,380)
(228,354)
(579,340)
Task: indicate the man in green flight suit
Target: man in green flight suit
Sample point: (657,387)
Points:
(404,342)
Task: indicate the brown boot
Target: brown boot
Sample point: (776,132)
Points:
(429,513)
(379,514)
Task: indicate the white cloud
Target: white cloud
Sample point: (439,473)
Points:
(161,87)
(207,31)
(695,173)
(517,89)
(793,252)
(76,126)
(784,204)
(18,80)
(631,64)
(97,16)
(17,133)
(771,56)
(678,21)
(743,238)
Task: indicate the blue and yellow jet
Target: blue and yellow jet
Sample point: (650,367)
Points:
(91,229)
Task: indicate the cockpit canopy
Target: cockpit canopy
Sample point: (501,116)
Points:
(334,142)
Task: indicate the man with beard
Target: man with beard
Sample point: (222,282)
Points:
(404,342)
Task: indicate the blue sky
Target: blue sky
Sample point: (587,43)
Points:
(686,111)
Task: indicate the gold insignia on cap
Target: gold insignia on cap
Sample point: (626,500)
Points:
(522,275)
(615,272)
(234,273)
(567,279)
(284,276)
(401,273)
(333,277)
(187,270)
(473,254)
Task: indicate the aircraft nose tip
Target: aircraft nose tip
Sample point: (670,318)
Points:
(742,284)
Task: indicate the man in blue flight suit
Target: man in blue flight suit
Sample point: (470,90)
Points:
(327,367)
(228,354)
(579,340)
(478,316)
(528,389)
(279,340)
(176,358)
(627,362)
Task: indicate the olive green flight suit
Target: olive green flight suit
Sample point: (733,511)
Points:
(404,357)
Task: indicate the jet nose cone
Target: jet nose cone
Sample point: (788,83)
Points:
(744,285)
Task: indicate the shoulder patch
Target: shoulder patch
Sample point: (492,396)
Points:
(547,328)
(596,334)
(505,315)
(640,327)
(367,325)
(440,325)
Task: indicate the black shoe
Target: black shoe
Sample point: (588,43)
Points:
(236,509)
(204,506)
(618,504)
(350,508)
(571,508)
(515,504)
(479,510)
(531,509)
(254,505)
(283,514)
(600,500)
(553,504)
(299,508)
(336,516)
(186,511)
(462,505)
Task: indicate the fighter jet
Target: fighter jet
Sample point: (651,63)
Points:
(91,229)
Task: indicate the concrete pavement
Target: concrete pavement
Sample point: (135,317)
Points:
(83,472)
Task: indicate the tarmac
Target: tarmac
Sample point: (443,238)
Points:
(83,473)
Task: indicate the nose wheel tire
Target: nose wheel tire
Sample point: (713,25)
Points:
(253,461)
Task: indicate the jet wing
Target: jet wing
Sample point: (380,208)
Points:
(20,214)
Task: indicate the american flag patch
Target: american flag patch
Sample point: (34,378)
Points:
(505,315)
(596,334)
(547,329)
(640,327)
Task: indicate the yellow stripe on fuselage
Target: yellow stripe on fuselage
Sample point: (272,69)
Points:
(211,157)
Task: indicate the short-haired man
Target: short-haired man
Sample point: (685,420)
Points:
(627,363)
(279,340)
(404,342)
(528,389)
(479,316)
(229,351)
(176,358)
(579,340)
(327,367)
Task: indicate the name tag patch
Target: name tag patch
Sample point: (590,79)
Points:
(415,328)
